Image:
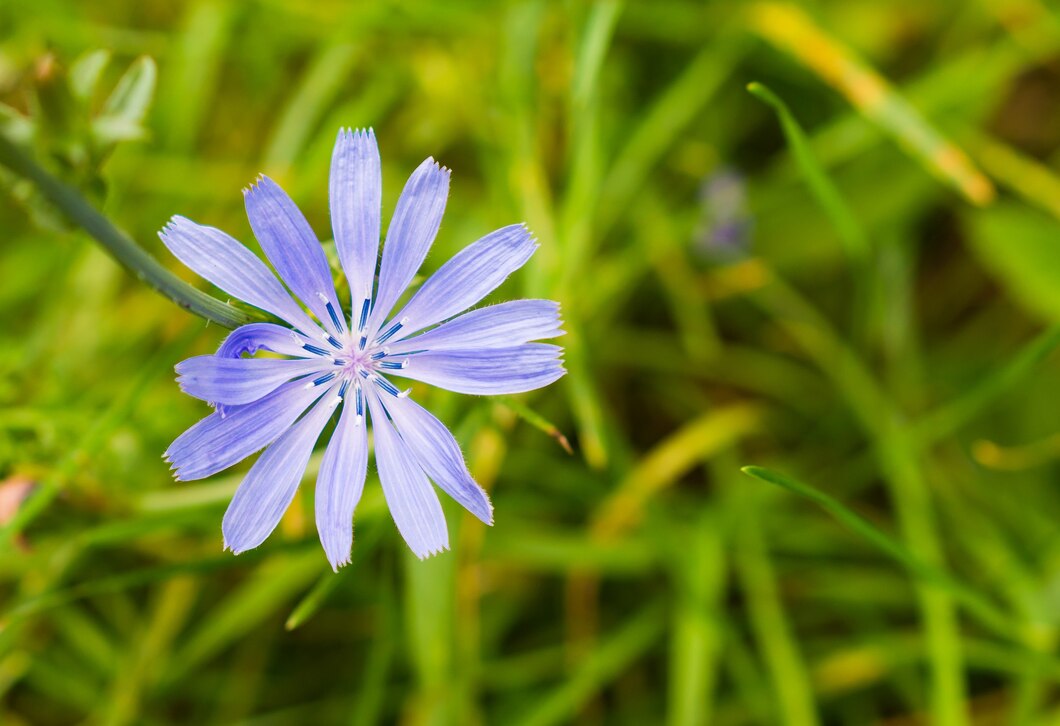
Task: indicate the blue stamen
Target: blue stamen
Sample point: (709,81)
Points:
(364,374)
(339,362)
(360,400)
(364,315)
(324,379)
(364,342)
(392,365)
(390,333)
(343,387)
(334,343)
(387,386)
(334,316)
(380,354)
(314,349)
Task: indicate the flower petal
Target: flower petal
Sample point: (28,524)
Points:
(253,337)
(217,257)
(234,381)
(412,500)
(471,275)
(498,326)
(292,247)
(412,229)
(271,483)
(339,485)
(356,200)
(487,372)
(439,455)
(217,442)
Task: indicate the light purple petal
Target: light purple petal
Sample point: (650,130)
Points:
(271,483)
(217,442)
(292,247)
(468,277)
(498,326)
(356,194)
(410,497)
(253,337)
(235,381)
(339,485)
(412,229)
(439,455)
(487,372)
(217,257)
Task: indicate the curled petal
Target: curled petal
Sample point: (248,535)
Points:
(487,372)
(253,337)
(410,497)
(505,325)
(271,483)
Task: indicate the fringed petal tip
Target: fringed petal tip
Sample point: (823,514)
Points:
(259,181)
(348,133)
(421,556)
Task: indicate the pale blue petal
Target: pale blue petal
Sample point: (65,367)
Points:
(410,497)
(292,247)
(271,483)
(235,381)
(339,485)
(217,442)
(471,275)
(487,372)
(253,337)
(217,257)
(356,189)
(439,455)
(498,326)
(412,229)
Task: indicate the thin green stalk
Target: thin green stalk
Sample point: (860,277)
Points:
(120,246)
(851,233)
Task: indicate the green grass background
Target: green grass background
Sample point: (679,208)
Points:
(883,338)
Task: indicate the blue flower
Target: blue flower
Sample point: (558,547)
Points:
(331,362)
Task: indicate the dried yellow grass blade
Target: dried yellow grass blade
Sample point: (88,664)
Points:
(790,30)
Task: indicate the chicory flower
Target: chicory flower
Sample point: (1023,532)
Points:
(332,362)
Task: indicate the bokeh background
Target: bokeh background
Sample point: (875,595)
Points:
(856,292)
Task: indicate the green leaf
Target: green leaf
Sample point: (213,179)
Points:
(85,73)
(128,103)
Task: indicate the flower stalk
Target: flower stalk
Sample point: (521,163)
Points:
(119,245)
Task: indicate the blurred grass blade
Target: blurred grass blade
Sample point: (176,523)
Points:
(951,416)
(536,420)
(1023,174)
(788,28)
(696,441)
(850,231)
(985,611)
(309,604)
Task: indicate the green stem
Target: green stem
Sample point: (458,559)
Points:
(119,245)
